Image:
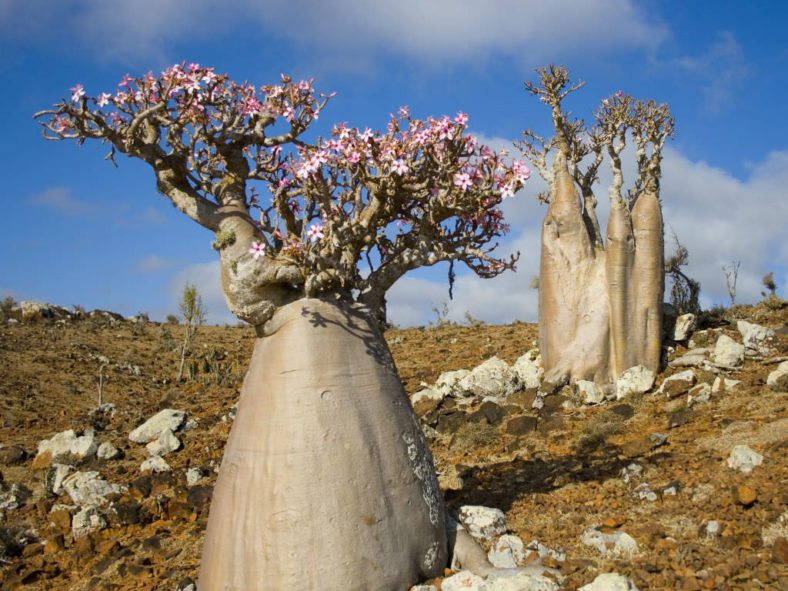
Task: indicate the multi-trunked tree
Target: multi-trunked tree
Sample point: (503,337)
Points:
(600,299)
(327,481)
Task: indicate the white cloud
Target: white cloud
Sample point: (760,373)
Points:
(60,199)
(154,264)
(435,32)
(206,277)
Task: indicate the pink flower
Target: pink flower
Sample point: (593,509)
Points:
(366,135)
(399,167)
(257,250)
(463,180)
(403,112)
(507,190)
(521,171)
(315,232)
(79,92)
(354,157)
(461,118)
(61,124)
(103,99)
(620,93)
(209,77)
(605,102)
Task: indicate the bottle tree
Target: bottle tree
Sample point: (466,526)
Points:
(326,481)
(600,298)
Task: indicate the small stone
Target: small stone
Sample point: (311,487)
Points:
(166,443)
(743,458)
(528,369)
(155,464)
(778,379)
(194,475)
(699,394)
(85,445)
(756,338)
(677,384)
(153,428)
(712,529)
(721,385)
(614,521)
(88,519)
(507,552)
(743,495)
(684,326)
(590,392)
(658,439)
(87,488)
(464,580)
(610,582)
(12,455)
(449,479)
(780,550)
(107,451)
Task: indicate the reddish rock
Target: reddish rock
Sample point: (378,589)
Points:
(780,550)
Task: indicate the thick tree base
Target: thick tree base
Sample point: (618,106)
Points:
(326,482)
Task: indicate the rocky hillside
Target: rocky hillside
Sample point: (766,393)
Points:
(673,481)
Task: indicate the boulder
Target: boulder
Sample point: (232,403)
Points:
(448,384)
(528,369)
(155,426)
(727,352)
(88,488)
(677,384)
(483,523)
(54,448)
(59,474)
(778,379)
(684,326)
(756,338)
(494,377)
(636,380)
(85,445)
(508,551)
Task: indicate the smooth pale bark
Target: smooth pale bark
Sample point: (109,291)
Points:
(648,280)
(619,258)
(573,306)
(327,482)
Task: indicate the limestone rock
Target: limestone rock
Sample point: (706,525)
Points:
(155,464)
(635,380)
(483,523)
(59,474)
(88,488)
(618,543)
(590,392)
(743,458)
(529,370)
(107,451)
(778,379)
(521,581)
(699,394)
(727,352)
(684,326)
(677,384)
(756,338)
(508,551)
(494,377)
(448,382)
(153,428)
(166,443)
(724,385)
(85,445)
(86,520)
(464,580)
(54,448)
(194,475)
(610,582)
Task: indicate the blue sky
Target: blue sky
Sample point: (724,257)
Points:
(75,230)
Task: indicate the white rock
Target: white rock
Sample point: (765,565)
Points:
(545,552)
(755,337)
(464,580)
(590,392)
(618,543)
(155,464)
(448,383)
(426,394)
(684,326)
(424,588)
(85,445)
(699,394)
(60,471)
(166,443)
(528,369)
(153,428)
(507,552)
(712,529)
(610,582)
(194,475)
(635,380)
(59,445)
(724,385)
(677,384)
(483,523)
(743,458)
(87,488)
(494,377)
(520,582)
(86,520)
(107,451)
(727,352)
(14,497)
(778,379)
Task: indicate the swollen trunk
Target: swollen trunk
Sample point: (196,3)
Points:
(327,482)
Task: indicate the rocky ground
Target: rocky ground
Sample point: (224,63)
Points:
(639,486)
